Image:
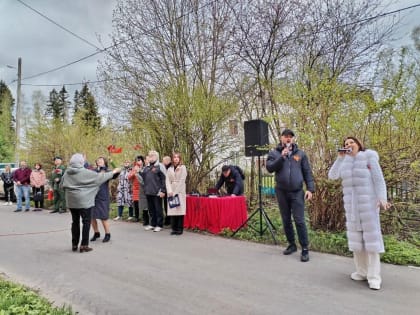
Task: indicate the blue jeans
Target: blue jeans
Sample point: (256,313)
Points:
(23,191)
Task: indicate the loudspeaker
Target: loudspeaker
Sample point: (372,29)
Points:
(256,137)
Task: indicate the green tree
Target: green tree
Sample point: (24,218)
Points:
(86,109)
(169,81)
(394,122)
(53,108)
(189,121)
(64,103)
(7,131)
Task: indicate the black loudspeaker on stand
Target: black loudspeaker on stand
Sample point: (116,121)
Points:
(256,137)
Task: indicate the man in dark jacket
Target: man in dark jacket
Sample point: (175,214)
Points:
(57,174)
(232,179)
(155,190)
(21,177)
(292,169)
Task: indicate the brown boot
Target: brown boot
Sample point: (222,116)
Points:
(85,249)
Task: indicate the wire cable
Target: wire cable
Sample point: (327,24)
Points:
(111,46)
(181,16)
(59,25)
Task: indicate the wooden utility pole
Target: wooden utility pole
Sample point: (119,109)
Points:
(18,110)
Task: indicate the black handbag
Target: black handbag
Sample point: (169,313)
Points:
(38,196)
(174,201)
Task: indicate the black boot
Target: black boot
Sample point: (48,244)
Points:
(107,237)
(95,236)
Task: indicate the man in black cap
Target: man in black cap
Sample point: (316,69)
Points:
(292,169)
(57,174)
(232,179)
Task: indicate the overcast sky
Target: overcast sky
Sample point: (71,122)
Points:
(44,46)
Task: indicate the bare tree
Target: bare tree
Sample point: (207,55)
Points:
(168,73)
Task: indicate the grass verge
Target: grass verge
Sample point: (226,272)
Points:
(17,299)
(396,251)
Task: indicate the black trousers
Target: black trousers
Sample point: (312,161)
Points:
(136,209)
(177,223)
(167,219)
(38,203)
(156,211)
(85,215)
(293,204)
(145,217)
(9,192)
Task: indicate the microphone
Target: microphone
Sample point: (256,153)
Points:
(345,150)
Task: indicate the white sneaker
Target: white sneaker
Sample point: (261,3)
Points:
(157,229)
(5,204)
(117,218)
(357,277)
(149,228)
(130,218)
(374,285)
(10,203)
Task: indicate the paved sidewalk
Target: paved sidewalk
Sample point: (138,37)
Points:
(141,272)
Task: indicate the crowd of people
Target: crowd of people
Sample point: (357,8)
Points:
(155,194)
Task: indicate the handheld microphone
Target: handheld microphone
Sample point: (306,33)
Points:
(345,150)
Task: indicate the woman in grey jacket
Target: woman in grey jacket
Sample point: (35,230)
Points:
(80,187)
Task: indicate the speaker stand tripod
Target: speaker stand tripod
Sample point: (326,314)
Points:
(260,210)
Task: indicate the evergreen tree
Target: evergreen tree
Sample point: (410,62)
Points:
(7,131)
(86,109)
(58,105)
(77,103)
(53,109)
(64,103)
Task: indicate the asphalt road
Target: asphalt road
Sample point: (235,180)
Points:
(144,272)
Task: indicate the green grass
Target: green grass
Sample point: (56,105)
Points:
(397,252)
(16,299)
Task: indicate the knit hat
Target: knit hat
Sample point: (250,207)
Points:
(77,158)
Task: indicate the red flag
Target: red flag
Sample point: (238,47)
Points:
(112,149)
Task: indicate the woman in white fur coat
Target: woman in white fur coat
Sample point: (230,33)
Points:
(364,192)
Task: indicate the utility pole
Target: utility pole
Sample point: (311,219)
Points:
(18,110)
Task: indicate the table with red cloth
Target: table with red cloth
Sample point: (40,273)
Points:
(215,213)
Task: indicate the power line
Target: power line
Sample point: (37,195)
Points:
(181,16)
(63,66)
(59,25)
(75,83)
(111,46)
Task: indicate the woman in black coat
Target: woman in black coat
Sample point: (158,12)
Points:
(102,204)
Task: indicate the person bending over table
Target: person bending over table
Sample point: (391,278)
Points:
(232,179)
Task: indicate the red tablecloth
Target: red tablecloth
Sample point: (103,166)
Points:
(215,214)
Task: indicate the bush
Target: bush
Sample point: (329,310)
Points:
(16,299)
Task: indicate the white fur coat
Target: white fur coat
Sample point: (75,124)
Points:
(363,188)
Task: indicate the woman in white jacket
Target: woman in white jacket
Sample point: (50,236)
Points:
(364,192)
(175,185)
